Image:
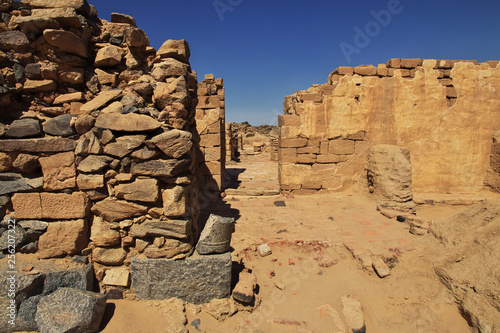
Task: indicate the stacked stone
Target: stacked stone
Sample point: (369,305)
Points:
(96,147)
(319,152)
(274,149)
(210,125)
(231,143)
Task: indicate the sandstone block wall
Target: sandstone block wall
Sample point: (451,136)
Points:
(211,130)
(231,143)
(444,111)
(98,138)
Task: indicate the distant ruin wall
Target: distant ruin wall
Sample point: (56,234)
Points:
(444,111)
(211,129)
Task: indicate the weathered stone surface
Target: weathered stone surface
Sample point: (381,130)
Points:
(197,279)
(264,250)
(80,5)
(102,235)
(216,235)
(5,5)
(114,210)
(50,205)
(24,128)
(109,56)
(160,168)
(90,182)
(389,173)
(168,248)
(13,183)
(33,225)
(119,277)
(14,39)
(177,49)
(175,201)
(5,162)
(123,18)
(137,38)
(26,163)
(130,122)
(66,16)
(166,94)
(174,143)
(124,145)
(70,310)
(109,256)
(33,25)
(170,68)
(45,145)
(63,238)
(341,147)
(101,100)
(19,238)
(66,41)
(59,171)
(74,75)
(3,129)
(145,190)
(68,98)
(381,268)
(88,143)
(84,123)
(60,125)
(94,163)
(39,85)
(144,153)
(155,228)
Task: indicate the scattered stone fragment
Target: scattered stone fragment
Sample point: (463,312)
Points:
(243,292)
(381,268)
(264,250)
(70,310)
(216,235)
(353,313)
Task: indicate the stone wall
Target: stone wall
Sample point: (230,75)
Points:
(231,143)
(211,130)
(444,111)
(98,137)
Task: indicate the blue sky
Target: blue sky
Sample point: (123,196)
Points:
(266,50)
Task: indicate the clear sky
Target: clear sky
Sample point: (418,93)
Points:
(266,50)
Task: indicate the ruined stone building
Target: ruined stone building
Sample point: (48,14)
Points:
(446,112)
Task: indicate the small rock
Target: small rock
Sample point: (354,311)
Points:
(24,128)
(381,268)
(67,41)
(60,125)
(80,259)
(26,163)
(280,204)
(401,218)
(264,250)
(109,256)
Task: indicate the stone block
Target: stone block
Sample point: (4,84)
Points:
(310,149)
(113,210)
(109,256)
(101,100)
(287,155)
(341,147)
(174,143)
(211,168)
(394,63)
(144,190)
(288,120)
(130,122)
(365,70)
(67,41)
(63,238)
(293,142)
(160,168)
(451,92)
(213,154)
(89,182)
(311,97)
(197,279)
(344,70)
(330,158)
(13,182)
(51,205)
(119,277)
(359,136)
(306,158)
(382,70)
(177,49)
(59,171)
(180,229)
(208,102)
(445,64)
(210,140)
(70,310)
(175,201)
(411,63)
(102,234)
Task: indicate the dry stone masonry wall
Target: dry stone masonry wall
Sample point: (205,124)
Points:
(98,140)
(444,111)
